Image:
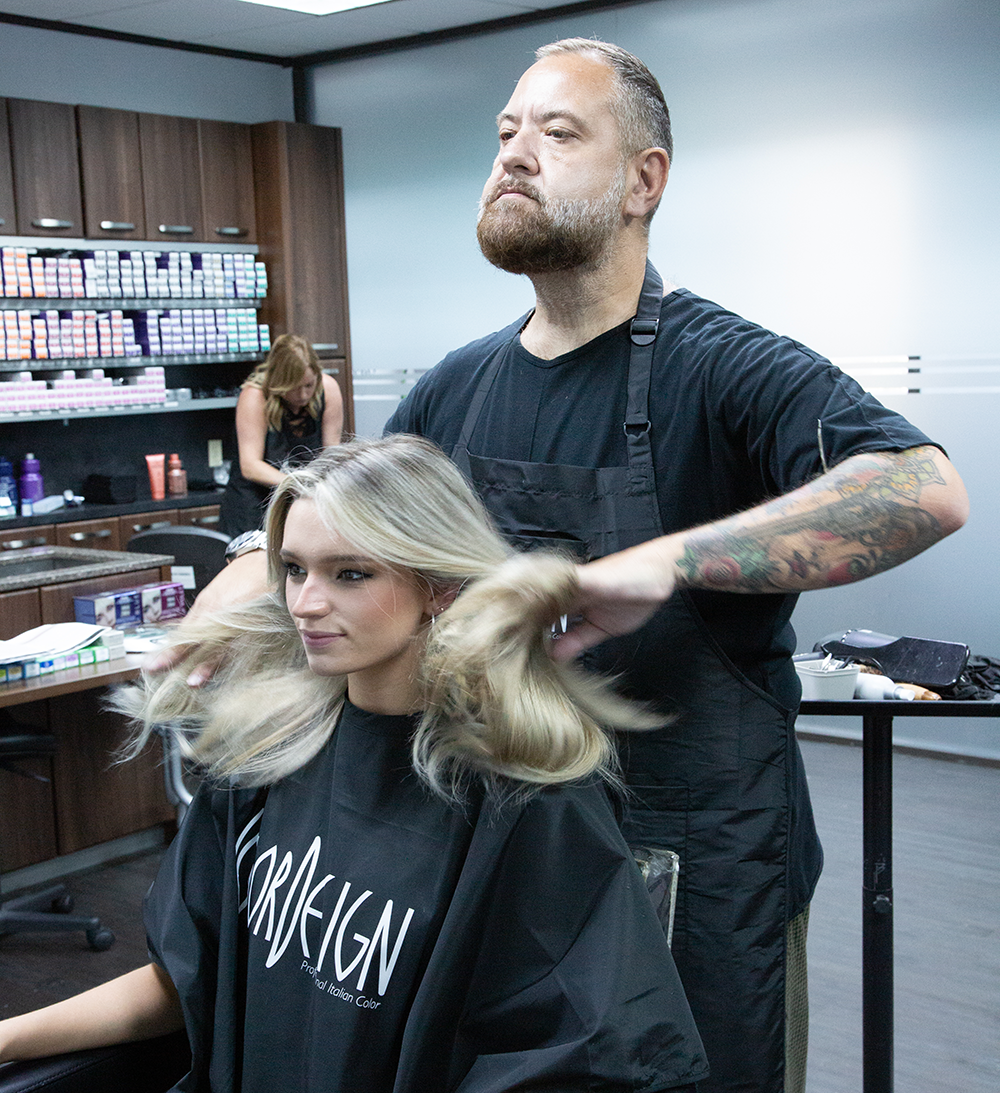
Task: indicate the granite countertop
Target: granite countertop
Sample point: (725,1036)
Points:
(33,567)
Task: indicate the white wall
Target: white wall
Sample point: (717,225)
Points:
(56,67)
(835,178)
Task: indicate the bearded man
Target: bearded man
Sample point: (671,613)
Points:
(713,470)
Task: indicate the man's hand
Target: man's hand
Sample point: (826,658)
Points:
(245,578)
(618,594)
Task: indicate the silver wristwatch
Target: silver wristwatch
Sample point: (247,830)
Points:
(245,543)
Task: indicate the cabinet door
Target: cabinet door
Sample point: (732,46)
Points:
(144,521)
(204,516)
(227,197)
(19,538)
(112,173)
(46,168)
(19,611)
(27,808)
(8,221)
(171,180)
(92,534)
(97,799)
(298,177)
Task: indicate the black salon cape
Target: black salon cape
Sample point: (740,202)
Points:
(347,931)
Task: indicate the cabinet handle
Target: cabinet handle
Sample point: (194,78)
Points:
(17,544)
(205,519)
(2,221)
(79,536)
(117,226)
(48,222)
(136,528)
(320,346)
(231,231)
(176,229)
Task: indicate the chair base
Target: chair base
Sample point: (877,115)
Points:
(48,910)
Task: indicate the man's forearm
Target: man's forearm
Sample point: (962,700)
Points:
(865,516)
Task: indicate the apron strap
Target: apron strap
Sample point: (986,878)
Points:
(642,334)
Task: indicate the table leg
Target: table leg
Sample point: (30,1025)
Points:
(877,948)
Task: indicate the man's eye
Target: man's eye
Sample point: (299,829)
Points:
(559,134)
(506,135)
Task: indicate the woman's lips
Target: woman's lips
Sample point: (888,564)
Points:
(317,640)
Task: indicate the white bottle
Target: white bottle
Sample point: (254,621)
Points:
(874,688)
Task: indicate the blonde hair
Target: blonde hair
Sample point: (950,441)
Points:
(291,358)
(496,706)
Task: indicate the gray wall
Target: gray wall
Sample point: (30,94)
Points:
(835,179)
(56,67)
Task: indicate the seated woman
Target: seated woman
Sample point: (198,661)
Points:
(403,873)
(288,410)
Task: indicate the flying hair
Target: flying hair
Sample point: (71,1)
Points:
(496,706)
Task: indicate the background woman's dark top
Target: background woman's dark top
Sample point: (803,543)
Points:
(298,440)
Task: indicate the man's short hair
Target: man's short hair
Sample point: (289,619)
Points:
(639,106)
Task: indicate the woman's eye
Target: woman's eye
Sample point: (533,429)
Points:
(292,570)
(352,575)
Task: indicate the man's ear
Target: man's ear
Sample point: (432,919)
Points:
(648,174)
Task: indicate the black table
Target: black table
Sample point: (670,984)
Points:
(876,888)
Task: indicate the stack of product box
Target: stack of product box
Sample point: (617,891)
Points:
(127,608)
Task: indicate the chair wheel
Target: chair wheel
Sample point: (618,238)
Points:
(100,938)
(62,905)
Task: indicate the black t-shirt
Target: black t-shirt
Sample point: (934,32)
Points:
(346,931)
(733,411)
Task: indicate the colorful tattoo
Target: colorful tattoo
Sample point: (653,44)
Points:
(872,524)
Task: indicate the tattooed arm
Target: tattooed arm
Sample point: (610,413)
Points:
(864,516)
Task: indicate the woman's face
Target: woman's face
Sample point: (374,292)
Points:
(298,398)
(355,617)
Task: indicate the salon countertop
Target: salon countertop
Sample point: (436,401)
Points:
(87,565)
(88,511)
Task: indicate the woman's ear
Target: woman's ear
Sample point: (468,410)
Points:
(442,598)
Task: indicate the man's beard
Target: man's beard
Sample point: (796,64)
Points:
(552,235)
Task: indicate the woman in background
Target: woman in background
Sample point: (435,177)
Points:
(288,410)
(404,872)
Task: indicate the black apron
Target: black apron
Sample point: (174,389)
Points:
(714,784)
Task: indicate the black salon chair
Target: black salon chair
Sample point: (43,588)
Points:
(149,1066)
(202,549)
(48,909)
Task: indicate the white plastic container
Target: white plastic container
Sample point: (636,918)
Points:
(833,685)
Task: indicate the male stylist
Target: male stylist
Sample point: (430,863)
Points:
(715,470)
(614,438)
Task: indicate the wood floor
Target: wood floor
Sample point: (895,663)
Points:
(947,927)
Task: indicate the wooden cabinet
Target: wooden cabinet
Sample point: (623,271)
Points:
(8,220)
(171,177)
(300,227)
(227,198)
(204,516)
(19,611)
(93,534)
(111,169)
(144,521)
(19,538)
(46,168)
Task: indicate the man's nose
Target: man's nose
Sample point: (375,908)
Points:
(519,153)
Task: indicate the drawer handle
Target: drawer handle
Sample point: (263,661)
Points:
(136,528)
(117,226)
(17,544)
(205,519)
(79,536)
(176,229)
(231,231)
(49,222)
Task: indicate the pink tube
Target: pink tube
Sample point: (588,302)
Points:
(157,478)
